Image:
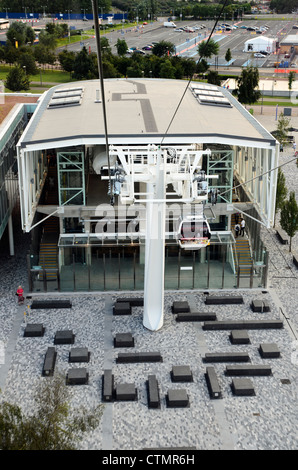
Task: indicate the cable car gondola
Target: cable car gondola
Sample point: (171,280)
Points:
(193,233)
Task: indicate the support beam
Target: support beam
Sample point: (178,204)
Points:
(155,251)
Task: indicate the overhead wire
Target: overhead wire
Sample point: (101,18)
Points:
(191,78)
(100,72)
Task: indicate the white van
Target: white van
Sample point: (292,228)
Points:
(169,24)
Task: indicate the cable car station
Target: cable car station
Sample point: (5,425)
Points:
(153,206)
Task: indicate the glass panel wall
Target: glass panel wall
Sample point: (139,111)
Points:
(86,265)
(220,164)
(71,179)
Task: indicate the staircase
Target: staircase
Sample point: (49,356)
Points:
(48,250)
(242,253)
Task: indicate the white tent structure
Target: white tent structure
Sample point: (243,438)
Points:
(260,43)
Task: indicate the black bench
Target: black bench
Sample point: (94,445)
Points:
(239,337)
(269,350)
(45,304)
(282,236)
(64,337)
(124,340)
(133,301)
(79,355)
(242,325)
(212,383)
(220,300)
(242,387)
(77,376)
(122,308)
(180,306)
(259,305)
(153,392)
(138,357)
(34,329)
(195,316)
(126,392)
(181,374)
(108,391)
(226,357)
(49,362)
(250,369)
(177,398)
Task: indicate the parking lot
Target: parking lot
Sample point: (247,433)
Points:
(186,40)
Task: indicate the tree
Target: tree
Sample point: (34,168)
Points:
(121,47)
(213,77)
(289,217)
(282,129)
(84,67)
(281,192)
(291,79)
(66,59)
(17,79)
(47,39)
(19,34)
(167,70)
(228,55)
(27,62)
(202,66)
(207,49)
(163,48)
(43,55)
(50,426)
(247,83)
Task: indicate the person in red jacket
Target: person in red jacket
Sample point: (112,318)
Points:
(20,294)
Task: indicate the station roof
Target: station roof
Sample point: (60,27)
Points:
(141,111)
(290,39)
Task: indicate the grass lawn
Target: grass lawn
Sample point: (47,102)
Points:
(281,101)
(42,80)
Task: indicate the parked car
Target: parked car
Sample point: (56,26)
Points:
(139,51)
(259,55)
(295,26)
(147,48)
(179,30)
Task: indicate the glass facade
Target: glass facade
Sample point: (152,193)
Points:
(87,264)
(8,164)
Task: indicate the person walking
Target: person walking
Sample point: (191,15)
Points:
(237,230)
(237,215)
(294,146)
(242,224)
(20,294)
